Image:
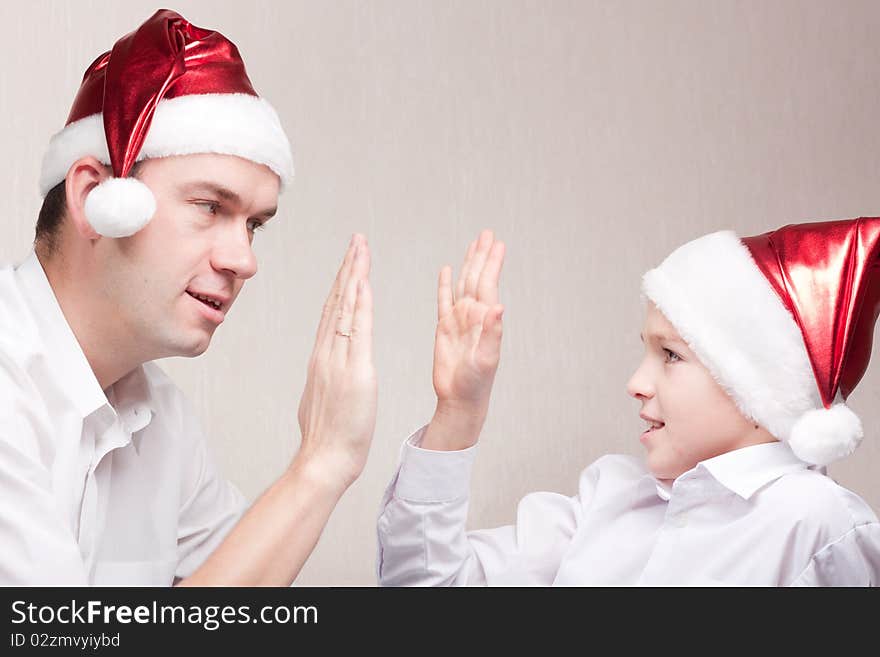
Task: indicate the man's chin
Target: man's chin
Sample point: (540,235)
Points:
(191,348)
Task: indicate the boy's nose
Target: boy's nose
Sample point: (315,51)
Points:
(638,385)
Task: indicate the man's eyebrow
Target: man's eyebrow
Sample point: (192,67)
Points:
(224,194)
(219,190)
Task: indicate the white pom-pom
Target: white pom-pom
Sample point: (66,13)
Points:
(823,435)
(120,207)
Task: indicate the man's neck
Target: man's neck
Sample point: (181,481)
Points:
(109,359)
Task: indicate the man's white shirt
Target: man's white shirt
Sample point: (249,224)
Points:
(98,487)
(757,516)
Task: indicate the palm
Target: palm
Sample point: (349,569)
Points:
(468,339)
(459,365)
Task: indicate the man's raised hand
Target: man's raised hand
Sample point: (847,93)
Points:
(337,412)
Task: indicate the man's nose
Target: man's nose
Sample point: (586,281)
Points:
(234,253)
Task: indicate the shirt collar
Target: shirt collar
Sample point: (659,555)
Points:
(664,491)
(744,471)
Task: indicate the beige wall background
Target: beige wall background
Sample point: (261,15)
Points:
(594,137)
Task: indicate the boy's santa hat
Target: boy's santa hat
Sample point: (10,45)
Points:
(784,321)
(168,88)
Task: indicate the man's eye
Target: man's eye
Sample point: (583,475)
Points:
(671,356)
(209,205)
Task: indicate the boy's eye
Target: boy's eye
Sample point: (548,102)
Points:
(671,356)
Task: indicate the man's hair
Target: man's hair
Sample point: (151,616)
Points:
(48,229)
(49,222)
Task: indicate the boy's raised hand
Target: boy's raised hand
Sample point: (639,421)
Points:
(467,346)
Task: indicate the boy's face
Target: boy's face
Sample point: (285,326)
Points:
(689,418)
(199,241)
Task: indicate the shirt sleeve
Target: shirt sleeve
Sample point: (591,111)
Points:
(210,504)
(37,546)
(422,537)
(851,560)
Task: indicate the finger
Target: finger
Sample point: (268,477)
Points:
(473,319)
(489,345)
(360,268)
(332,311)
(487,287)
(484,245)
(459,286)
(342,333)
(361,349)
(331,305)
(444,293)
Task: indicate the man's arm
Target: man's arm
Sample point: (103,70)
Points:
(37,547)
(337,415)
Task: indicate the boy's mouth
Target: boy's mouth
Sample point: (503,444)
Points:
(653,425)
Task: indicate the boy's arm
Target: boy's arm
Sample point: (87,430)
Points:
(421,528)
(436,473)
(850,560)
(422,537)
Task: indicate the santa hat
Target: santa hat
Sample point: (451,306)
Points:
(784,321)
(168,88)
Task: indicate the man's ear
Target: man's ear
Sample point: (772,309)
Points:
(82,177)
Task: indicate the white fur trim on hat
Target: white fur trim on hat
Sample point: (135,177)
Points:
(231,124)
(718,299)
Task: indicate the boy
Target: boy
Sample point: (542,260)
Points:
(750,348)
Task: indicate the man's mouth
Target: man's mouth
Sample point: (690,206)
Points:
(212,302)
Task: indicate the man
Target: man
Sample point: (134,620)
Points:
(104,472)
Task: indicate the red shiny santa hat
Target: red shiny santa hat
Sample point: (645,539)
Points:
(784,321)
(168,88)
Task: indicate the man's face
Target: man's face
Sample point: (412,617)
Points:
(689,418)
(198,243)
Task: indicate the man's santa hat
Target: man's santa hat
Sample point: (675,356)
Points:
(784,321)
(168,88)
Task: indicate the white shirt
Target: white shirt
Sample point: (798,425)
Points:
(754,516)
(95,488)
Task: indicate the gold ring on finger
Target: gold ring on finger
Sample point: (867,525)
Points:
(343,334)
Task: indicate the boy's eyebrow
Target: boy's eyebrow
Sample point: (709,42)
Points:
(662,336)
(224,194)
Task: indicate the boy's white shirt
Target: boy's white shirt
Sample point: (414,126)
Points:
(757,516)
(115,489)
